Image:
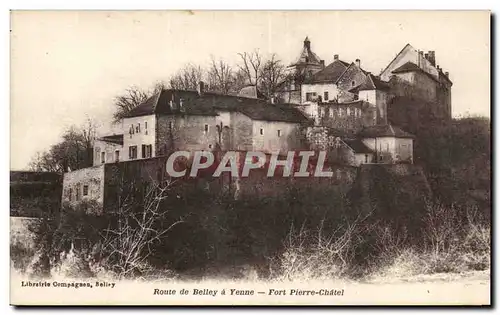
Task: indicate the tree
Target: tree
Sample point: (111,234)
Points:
(132,98)
(221,77)
(251,67)
(72,153)
(187,78)
(272,73)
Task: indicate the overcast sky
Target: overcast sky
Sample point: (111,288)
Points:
(67,66)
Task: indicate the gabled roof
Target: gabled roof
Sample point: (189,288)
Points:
(331,73)
(407,46)
(384,131)
(371,83)
(358,146)
(209,103)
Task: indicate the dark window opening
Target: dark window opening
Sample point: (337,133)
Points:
(103,157)
(325,96)
(85,190)
(279,133)
(132,152)
(261,131)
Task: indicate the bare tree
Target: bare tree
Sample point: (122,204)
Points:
(272,73)
(132,98)
(125,249)
(73,152)
(220,76)
(187,78)
(251,66)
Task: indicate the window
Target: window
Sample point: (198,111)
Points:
(348,111)
(356,97)
(310,96)
(132,152)
(147,151)
(209,146)
(103,157)
(77,197)
(170,125)
(70,194)
(341,112)
(206,129)
(279,133)
(85,190)
(261,131)
(131,129)
(325,95)
(138,128)
(353,83)
(331,112)
(117,156)
(146,127)
(366,158)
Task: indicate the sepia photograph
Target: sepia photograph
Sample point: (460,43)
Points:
(277,158)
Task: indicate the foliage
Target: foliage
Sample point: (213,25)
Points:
(72,153)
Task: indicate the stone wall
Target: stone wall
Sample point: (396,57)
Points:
(86,184)
(185,132)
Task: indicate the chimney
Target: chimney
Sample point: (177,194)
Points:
(439,68)
(358,63)
(447,74)
(335,57)
(307,43)
(322,62)
(431,57)
(201,88)
(420,57)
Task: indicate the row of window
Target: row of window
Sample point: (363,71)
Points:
(341,112)
(137,128)
(147,151)
(84,191)
(117,156)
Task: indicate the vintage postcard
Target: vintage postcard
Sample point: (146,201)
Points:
(250,158)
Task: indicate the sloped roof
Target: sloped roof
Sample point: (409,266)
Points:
(307,56)
(358,146)
(408,66)
(118,139)
(384,131)
(371,83)
(208,103)
(331,73)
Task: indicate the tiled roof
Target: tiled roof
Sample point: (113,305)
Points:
(371,83)
(384,131)
(358,146)
(208,103)
(331,73)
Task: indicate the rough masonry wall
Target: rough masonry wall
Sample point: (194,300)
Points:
(74,183)
(185,132)
(273,136)
(352,77)
(241,131)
